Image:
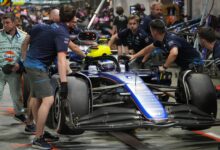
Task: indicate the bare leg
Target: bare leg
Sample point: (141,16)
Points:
(35,107)
(43,113)
(29,112)
(126,50)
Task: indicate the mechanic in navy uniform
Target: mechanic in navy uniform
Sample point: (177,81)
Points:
(155,13)
(139,10)
(178,50)
(46,43)
(120,22)
(134,37)
(207,39)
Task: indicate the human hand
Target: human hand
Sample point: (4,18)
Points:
(131,57)
(16,67)
(88,59)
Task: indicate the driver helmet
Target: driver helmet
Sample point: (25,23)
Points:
(106,65)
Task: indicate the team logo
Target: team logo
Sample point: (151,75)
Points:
(9,56)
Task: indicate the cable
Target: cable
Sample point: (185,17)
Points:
(213,2)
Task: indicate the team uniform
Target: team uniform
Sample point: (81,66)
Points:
(121,23)
(187,55)
(145,23)
(216,54)
(10,53)
(136,42)
(45,42)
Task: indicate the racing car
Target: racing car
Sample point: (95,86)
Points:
(105,95)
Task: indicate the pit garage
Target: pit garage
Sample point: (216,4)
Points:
(111,105)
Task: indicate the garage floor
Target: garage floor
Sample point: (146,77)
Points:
(13,138)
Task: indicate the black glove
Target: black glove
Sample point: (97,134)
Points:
(88,59)
(63,90)
(7,69)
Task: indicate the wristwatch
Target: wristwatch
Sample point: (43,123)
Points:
(164,67)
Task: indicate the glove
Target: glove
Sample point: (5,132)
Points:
(63,90)
(7,69)
(88,59)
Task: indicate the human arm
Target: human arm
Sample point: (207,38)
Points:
(112,40)
(62,66)
(75,48)
(170,59)
(145,51)
(114,29)
(24,46)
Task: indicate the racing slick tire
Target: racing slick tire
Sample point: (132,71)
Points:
(202,93)
(75,106)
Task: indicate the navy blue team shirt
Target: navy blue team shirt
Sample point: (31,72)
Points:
(145,23)
(45,42)
(186,53)
(216,53)
(136,41)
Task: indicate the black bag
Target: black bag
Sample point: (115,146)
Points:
(7,69)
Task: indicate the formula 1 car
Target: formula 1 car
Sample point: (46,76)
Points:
(104,95)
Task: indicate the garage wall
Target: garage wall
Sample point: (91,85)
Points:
(127,3)
(198,5)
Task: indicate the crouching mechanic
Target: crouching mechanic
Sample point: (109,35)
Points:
(46,43)
(134,37)
(178,50)
(207,39)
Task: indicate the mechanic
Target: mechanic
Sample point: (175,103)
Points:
(207,39)
(139,10)
(176,48)
(46,43)
(73,29)
(155,13)
(134,37)
(54,15)
(120,22)
(55,18)
(11,39)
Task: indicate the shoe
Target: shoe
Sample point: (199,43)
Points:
(20,118)
(30,129)
(49,137)
(40,143)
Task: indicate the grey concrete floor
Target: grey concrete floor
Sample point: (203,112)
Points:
(12,135)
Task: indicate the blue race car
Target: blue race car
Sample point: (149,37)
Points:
(102,97)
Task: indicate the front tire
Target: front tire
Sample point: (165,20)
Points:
(75,107)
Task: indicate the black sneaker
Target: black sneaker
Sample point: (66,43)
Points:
(30,129)
(49,137)
(40,143)
(20,118)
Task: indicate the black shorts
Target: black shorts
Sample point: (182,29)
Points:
(119,42)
